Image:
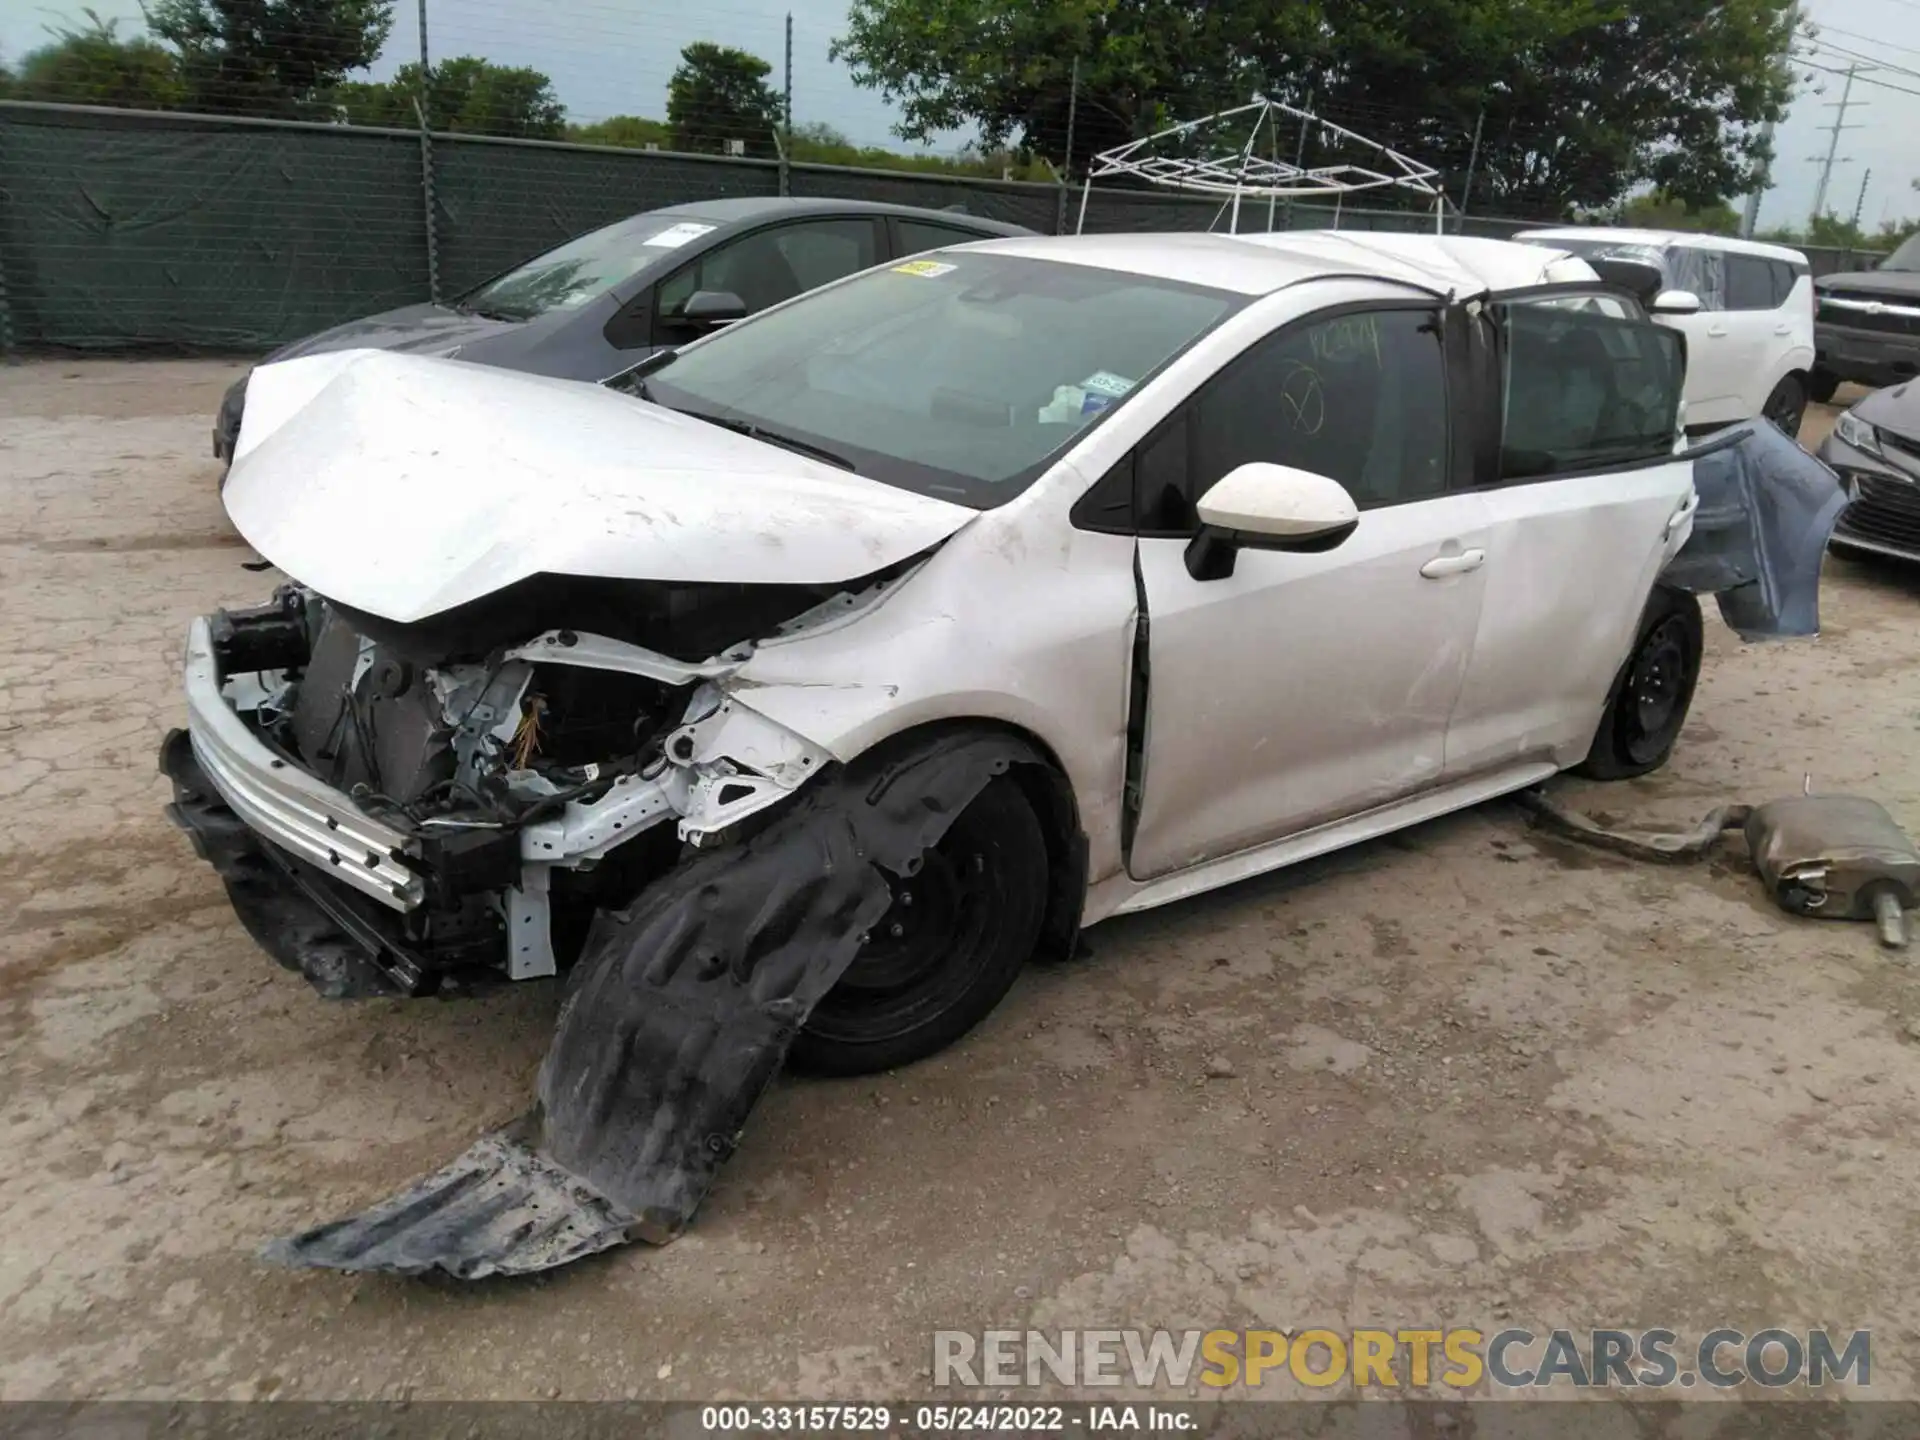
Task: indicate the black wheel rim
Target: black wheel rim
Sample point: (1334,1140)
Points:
(1655,686)
(929,911)
(922,954)
(1784,408)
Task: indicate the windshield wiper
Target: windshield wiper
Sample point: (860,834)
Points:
(773,437)
(486,314)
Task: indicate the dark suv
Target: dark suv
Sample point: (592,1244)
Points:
(1867,325)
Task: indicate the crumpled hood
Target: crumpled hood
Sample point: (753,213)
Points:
(412,329)
(405,486)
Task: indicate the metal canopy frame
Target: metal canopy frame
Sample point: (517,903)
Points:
(1244,173)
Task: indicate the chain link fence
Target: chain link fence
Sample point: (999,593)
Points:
(124,229)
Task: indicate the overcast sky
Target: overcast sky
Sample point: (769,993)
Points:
(609,57)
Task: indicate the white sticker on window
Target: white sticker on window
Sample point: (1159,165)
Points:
(675,236)
(925,269)
(1105,382)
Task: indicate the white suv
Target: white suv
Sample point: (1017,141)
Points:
(1750,336)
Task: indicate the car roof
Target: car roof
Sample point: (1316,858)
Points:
(1662,238)
(1260,264)
(744,209)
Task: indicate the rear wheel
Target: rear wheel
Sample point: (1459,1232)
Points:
(1652,692)
(1821,385)
(1787,405)
(947,949)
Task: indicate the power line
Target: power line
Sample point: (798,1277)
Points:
(1841,52)
(1825,29)
(1864,79)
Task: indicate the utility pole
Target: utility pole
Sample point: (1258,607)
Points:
(1764,182)
(1073,114)
(1860,204)
(1473,159)
(1833,146)
(785,137)
(422,106)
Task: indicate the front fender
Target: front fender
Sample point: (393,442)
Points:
(1766,508)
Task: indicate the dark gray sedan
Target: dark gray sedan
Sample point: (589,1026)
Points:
(605,300)
(1875,448)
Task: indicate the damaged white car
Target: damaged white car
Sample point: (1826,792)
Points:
(797,691)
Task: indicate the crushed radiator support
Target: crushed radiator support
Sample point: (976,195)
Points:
(678,1015)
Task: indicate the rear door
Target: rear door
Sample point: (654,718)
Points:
(1716,383)
(1760,331)
(1585,502)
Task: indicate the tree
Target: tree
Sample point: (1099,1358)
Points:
(1658,211)
(1577,101)
(94,66)
(720,94)
(465,95)
(270,57)
(629,130)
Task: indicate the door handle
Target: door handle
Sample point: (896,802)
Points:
(1442,566)
(1681,514)
(1718,332)
(1783,329)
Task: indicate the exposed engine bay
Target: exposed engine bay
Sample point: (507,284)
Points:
(530,770)
(398,810)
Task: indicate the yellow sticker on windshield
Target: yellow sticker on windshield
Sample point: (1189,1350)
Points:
(925,269)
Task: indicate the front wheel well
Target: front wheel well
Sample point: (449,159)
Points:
(1043,781)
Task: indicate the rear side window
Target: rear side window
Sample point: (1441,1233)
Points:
(1752,283)
(1586,387)
(1786,275)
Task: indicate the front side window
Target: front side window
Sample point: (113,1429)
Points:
(1360,398)
(919,235)
(959,377)
(1585,389)
(584,268)
(770,266)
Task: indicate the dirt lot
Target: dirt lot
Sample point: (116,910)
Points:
(1477,1076)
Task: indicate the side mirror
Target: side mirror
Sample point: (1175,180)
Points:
(1258,506)
(712,308)
(1676,302)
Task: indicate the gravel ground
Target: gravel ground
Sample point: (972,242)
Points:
(1467,1075)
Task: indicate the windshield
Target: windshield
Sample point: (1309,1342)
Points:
(1907,257)
(584,268)
(958,375)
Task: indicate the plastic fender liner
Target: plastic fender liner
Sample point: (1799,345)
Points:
(1766,510)
(677,1017)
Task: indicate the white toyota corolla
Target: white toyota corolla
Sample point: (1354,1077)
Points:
(798,688)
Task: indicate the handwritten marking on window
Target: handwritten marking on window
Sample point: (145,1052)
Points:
(1351,337)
